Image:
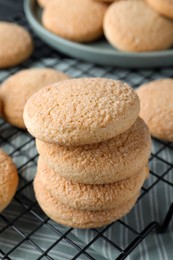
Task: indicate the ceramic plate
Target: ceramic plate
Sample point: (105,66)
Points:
(100,52)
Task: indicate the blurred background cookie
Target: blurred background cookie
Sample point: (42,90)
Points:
(164,7)
(16,90)
(15,44)
(75,20)
(134,26)
(157,107)
(8,180)
(43,3)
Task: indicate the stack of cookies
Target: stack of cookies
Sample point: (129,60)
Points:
(93,150)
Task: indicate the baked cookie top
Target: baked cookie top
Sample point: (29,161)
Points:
(157,107)
(164,7)
(135,26)
(81,111)
(75,20)
(15,44)
(18,88)
(8,180)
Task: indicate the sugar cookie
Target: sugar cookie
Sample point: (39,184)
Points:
(15,44)
(43,3)
(81,111)
(134,26)
(106,162)
(157,107)
(8,180)
(164,7)
(16,90)
(90,197)
(77,218)
(75,20)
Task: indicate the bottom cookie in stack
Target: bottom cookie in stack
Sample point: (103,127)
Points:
(85,206)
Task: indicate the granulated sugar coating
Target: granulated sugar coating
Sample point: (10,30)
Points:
(81,111)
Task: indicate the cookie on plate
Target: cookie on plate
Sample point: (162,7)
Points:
(81,111)
(164,7)
(16,90)
(77,218)
(106,1)
(15,44)
(43,3)
(157,107)
(106,162)
(75,20)
(134,26)
(8,180)
(90,197)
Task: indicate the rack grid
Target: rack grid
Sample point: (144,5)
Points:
(23,220)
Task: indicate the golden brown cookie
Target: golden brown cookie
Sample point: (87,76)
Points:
(105,1)
(157,107)
(106,162)
(81,111)
(16,90)
(77,218)
(134,26)
(43,3)
(75,20)
(15,44)
(8,180)
(164,7)
(90,197)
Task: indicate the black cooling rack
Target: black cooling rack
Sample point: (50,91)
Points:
(22,222)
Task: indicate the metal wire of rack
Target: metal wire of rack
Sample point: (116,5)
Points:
(23,219)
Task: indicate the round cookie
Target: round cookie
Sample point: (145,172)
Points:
(157,107)
(90,197)
(107,162)
(105,1)
(75,20)
(16,90)
(8,180)
(15,44)
(77,218)
(43,3)
(164,7)
(134,26)
(81,111)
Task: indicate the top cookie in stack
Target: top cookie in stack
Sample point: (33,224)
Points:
(93,150)
(81,111)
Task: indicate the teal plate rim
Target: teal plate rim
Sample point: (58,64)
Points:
(93,52)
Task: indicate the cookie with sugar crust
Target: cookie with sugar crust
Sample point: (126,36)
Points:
(21,86)
(76,218)
(16,44)
(8,180)
(157,107)
(115,159)
(81,111)
(91,197)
